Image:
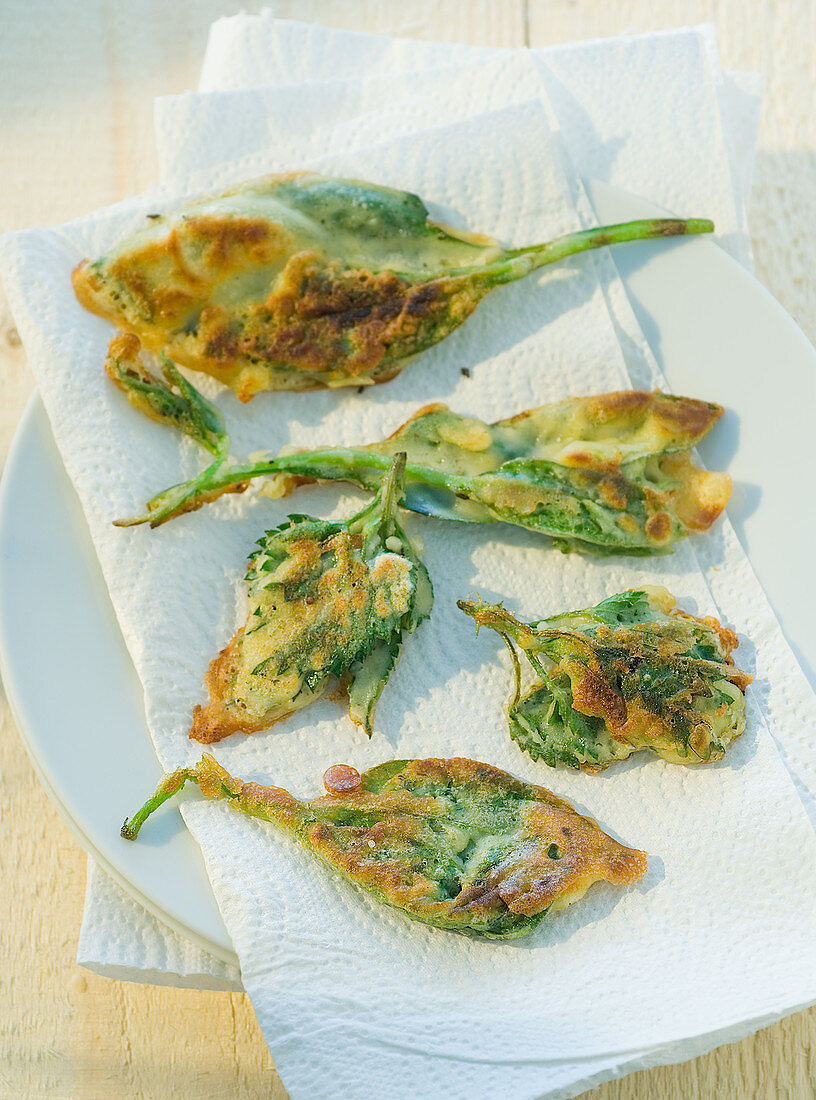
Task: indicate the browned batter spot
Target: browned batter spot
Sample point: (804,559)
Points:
(612,491)
(608,405)
(658,527)
(592,695)
(260,306)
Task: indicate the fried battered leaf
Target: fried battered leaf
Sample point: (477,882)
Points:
(326,601)
(631,673)
(453,843)
(300,281)
(607,474)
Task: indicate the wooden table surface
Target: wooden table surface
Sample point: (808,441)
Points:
(77,80)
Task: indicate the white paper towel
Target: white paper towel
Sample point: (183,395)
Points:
(741,156)
(120,939)
(236,134)
(649,113)
(728,844)
(227,136)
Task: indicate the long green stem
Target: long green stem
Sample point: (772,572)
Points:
(340,459)
(520,261)
(216,479)
(169,786)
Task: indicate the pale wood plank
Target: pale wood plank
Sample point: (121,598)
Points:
(479,22)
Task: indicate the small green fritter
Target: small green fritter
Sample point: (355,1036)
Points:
(326,601)
(631,673)
(299,281)
(453,843)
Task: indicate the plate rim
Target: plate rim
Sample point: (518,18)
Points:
(14,696)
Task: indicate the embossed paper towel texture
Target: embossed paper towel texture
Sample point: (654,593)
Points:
(644,112)
(336,96)
(233,135)
(230,136)
(240,130)
(326,968)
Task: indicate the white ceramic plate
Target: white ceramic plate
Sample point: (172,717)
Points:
(717,334)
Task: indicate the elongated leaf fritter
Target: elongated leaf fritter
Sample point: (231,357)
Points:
(300,281)
(632,673)
(610,473)
(327,602)
(453,843)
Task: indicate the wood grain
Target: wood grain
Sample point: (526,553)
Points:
(77,84)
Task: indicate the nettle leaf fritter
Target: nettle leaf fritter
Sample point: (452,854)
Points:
(632,673)
(611,473)
(328,603)
(453,843)
(300,281)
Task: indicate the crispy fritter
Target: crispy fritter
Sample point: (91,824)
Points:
(632,673)
(453,843)
(327,602)
(610,473)
(607,474)
(299,281)
(291,282)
